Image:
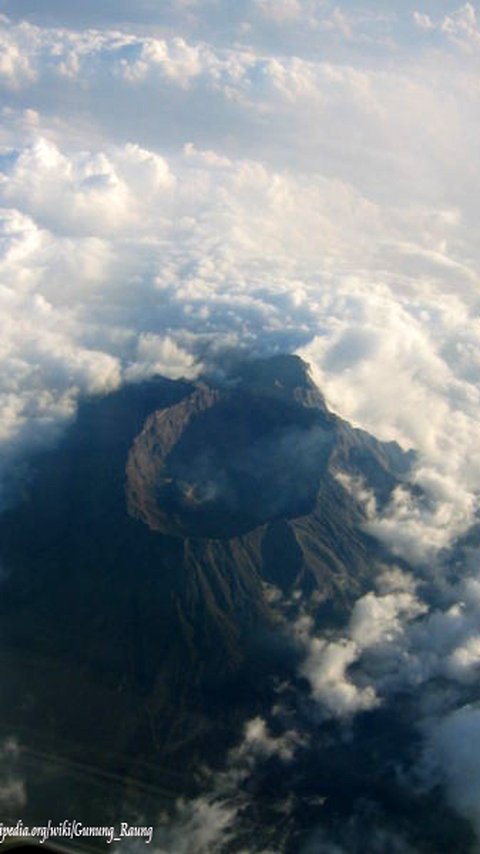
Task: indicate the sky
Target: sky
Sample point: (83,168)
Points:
(272,175)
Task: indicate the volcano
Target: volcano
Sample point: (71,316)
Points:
(225,461)
(146,555)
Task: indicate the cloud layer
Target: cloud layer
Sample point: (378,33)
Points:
(292,175)
(163,193)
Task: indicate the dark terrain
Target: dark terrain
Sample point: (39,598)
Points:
(136,631)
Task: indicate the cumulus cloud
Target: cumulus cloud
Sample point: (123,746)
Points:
(398,648)
(266,23)
(259,743)
(395,641)
(378,624)
(126,219)
(294,175)
(460,27)
(416,527)
(15,67)
(209,822)
(326,669)
(87,194)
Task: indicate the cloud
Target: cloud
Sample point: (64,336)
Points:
(423,21)
(454,757)
(378,623)
(179,178)
(284,10)
(203,824)
(127,219)
(395,641)
(399,651)
(462,27)
(212,820)
(326,670)
(266,23)
(15,68)
(13,794)
(87,194)
(259,743)
(379,619)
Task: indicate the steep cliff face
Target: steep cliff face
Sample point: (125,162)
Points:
(141,566)
(253,467)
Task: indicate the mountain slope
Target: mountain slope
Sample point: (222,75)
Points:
(141,564)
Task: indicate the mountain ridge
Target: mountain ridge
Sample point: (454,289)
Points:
(175,628)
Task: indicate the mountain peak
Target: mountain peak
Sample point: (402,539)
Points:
(235,455)
(283,376)
(162,603)
(283,370)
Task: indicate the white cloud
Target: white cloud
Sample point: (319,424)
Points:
(258,743)
(393,579)
(380,619)
(13,795)
(423,21)
(159,355)
(463,663)
(179,177)
(15,66)
(86,194)
(325,667)
(378,623)
(395,646)
(393,642)
(462,27)
(128,217)
(141,233)
(447,642)
(208,823)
